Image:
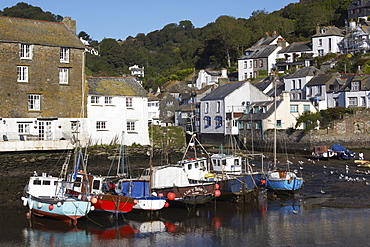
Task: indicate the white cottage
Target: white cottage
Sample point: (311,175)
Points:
(116,106)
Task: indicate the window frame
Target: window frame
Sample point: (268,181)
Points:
(108,100)
(293,108)
(218,121)
(130,126)
(25,51)
(64,55)
(22,73)
(128,102)
(63,76)
(23,128)
(95,100)
(34,102)
(101,125)
(207,121)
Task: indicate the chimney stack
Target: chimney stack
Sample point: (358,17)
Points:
(71,24)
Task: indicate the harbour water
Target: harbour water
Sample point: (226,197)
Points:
(265,222)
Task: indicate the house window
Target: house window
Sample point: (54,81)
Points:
(352,101)
(218,121)
(130,126)
(258,125)
(255,63)
(26,51)
(255,74)
(245,64)
(355,86)
(299,83)
(319,90)
(64,55)
(261,63)
(22,72)
(108,100)
(218,106)
(250,64)
(293,84)
(206,108)
(207,122)
(363,101)
(33,102)
(63,76)
(278,124)
(255,109)
(249,125)
(245,76)
(95,99)
(250,74)
(23,128)
(321,52)
(128,102)
(306,108)
(169,102)
(293,108)
(101,125)
(320,42)
(329,44)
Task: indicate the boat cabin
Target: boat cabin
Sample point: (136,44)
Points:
(45,185)
(195,168)
(85,183)
(229,164)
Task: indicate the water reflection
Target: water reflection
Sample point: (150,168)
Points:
(267,222)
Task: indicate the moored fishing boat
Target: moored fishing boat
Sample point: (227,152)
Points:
(101,191)
(45,196)
(172,182)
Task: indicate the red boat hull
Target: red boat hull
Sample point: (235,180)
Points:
(114,203)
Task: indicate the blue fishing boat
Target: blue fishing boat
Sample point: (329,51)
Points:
(45,196)
(283,181)
(140,190)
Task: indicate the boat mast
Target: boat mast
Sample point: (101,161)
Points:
(274,78)
(121,160)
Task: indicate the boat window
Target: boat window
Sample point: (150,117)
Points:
(55,182)
(37,182)
(202,164)
(46,182)
(236,162)
(189,166)
(78,182)
(224,162)
(196,165)
(218,162)
(96,184)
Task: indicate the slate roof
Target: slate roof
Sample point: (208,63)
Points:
(270,105)
(175,87)
(297,47)
(115,86)
(363,79)
(306,71)
(223,91)
(259,52)
(37,32)
(323,79)
(152,97)
(330,31)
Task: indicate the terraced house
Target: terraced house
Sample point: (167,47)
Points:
(42,83)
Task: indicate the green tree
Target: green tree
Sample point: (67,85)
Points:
(24,10)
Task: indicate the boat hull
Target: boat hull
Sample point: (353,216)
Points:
(150,203)
(193,194)
(67,210)
(236,186)
(114,204)
(284,184)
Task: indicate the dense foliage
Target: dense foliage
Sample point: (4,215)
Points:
(169,53)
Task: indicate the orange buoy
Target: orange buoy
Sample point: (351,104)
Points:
(51,207)
(263,181)
(217,193)
(171,196)
(217,186)
(166,204)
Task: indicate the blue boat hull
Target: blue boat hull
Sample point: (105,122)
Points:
(284,184)
(237,186)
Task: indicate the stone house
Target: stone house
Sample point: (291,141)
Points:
(117,108)
(42,81)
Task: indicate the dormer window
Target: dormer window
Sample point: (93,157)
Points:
(355,86)
(323,31)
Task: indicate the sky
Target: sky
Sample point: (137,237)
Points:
(119,19)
